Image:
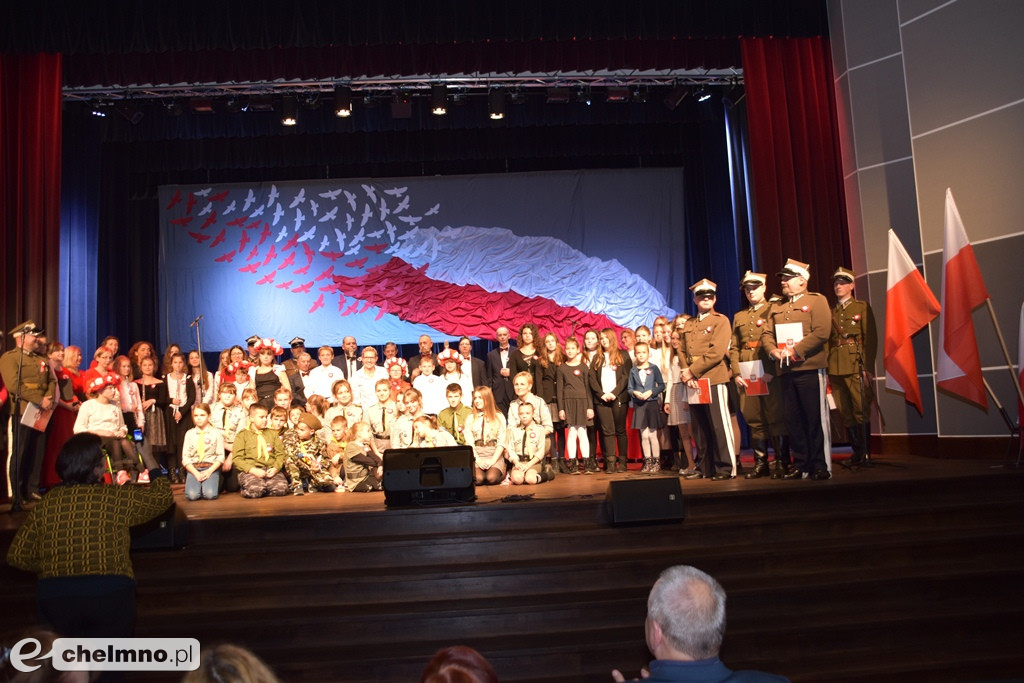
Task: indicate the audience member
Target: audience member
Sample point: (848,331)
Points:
(458,664)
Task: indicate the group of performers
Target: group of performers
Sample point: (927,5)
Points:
(529,410)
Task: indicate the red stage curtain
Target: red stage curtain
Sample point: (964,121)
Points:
(30,166)
(800,206)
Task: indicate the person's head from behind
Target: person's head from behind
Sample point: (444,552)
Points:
(458,664)
(32,648)
(685,615)
(81,459)
(229,664)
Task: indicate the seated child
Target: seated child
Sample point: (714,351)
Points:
(202,456)
(277,419)
(259,457)
(228,416)
(428,435)
(363,467)
(453,418)
(336,450)
(101,415)
(525,445)
(247,398)
(307,459)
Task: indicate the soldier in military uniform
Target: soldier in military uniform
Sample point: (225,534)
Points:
(800,362)
(306,458)
(763,414)
(34,384)
(851,359)
(705,345)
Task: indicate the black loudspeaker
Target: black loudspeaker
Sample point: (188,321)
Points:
(163,533)
(426,476)
(645,500)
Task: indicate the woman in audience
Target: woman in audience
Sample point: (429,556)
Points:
(229,664)
(485,429)
(458,664)
(182,394)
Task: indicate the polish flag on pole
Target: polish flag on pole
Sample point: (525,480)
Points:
(958,369)
(909,306)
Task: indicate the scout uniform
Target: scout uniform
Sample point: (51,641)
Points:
(705,344)
(853,345)
(307,460)
(525,444)
(259,449)
(802,378)
(454,422)
(763,414)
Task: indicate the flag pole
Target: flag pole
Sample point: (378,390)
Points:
(1006,353)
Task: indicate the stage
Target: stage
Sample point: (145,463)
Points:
(910,570)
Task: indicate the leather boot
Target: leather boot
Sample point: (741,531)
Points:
(856,436)
(783,461)
(760,460)
(574,467)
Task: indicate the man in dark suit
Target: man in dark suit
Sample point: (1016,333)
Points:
(499,377)
(348,359)
(303,364)
(479,370)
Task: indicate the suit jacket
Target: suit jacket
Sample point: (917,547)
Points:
(479,372)
(340,362)
(500,386)
(298,385)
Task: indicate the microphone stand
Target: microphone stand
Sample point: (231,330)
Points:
(199,350)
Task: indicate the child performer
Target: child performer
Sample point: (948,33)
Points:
(397,370)
(428,435)
(101,415)
(259,456)
(228,416)
(182,392)
(307,461)
(153,394)
(322,378)
(552,355)
(381,416)
(645,386)
(401,431)
(451,364)
(278,420)
(363,467)
(485,430)
(453,418)
(430,386)
(131,410)
(317,405)
(575,405)
(202,456)
(525,444)
(336,451)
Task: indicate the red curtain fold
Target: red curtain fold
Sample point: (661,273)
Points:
(799,198)
(30,171)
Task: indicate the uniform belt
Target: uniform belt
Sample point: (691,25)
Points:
(380,436)
(480,442)
(31,385)
(752,345)
(847,342)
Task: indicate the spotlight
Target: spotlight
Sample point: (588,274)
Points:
(289,111)
(439,99)
(342,101)
(496,104)
(99,109)
(675,97)
(702,94)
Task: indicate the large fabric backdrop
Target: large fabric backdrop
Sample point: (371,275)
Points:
(389,260)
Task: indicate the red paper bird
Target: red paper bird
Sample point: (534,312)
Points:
(252,254)
(303,289)
(219,197)
(318,304)
(210,220)
(333,255)
(284,285)
(376,248)
(219,238)
(341,303)
(288,261)
(301,271)
(254,224)
(358,263)
(251,268)
(333,287)
(243,241)
(237,221)
(326,274)
(183,221)
(291,243)
(352,309)
(271,255)
(198,236)
(264,234)
(191,203)
(267,279)
(174,200)
(226,258)
(309,253)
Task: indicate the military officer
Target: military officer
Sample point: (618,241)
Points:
(705,345)
(800,353)
(853,345)
(763,414)
(34,383)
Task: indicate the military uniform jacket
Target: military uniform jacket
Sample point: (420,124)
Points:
(853,332)
(812,311)
(747,326)
(706,345)
(246,451)
(37,381)
(454,422)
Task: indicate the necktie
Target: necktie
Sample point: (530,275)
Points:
(261,447)
(524,443)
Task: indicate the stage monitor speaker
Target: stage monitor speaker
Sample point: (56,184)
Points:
(645,500)
(428,476)
(163,533)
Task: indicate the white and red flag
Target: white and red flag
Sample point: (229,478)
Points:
(909,306)
(958,369)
